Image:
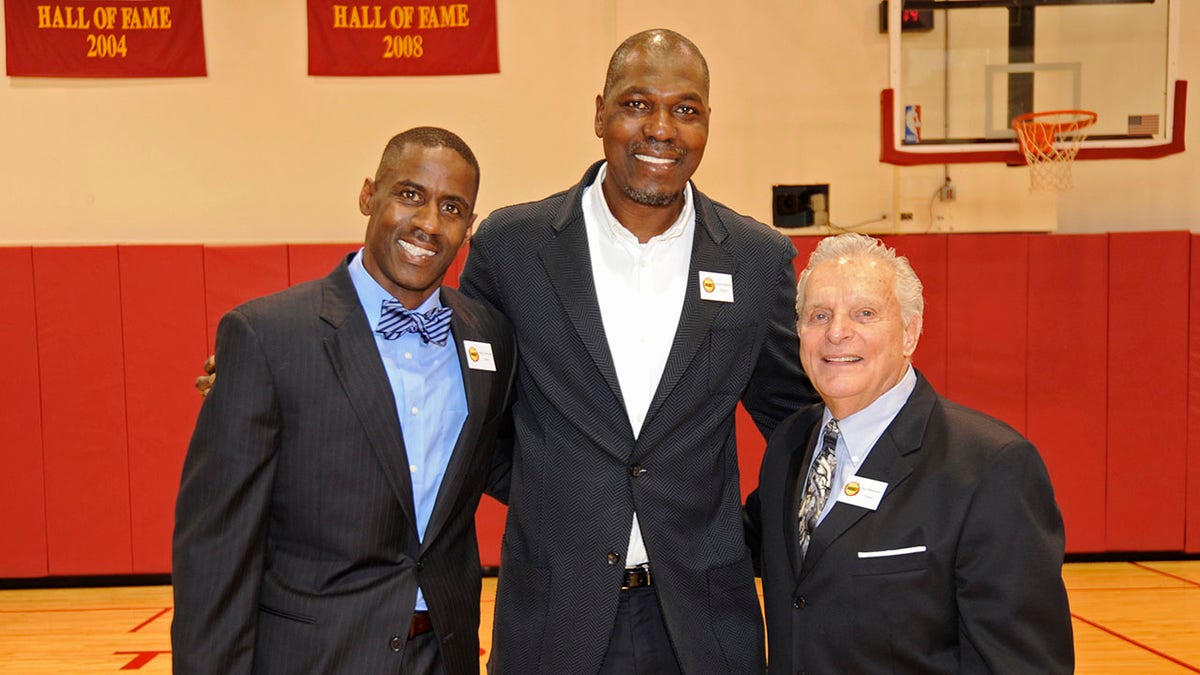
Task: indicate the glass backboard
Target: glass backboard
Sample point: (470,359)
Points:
(961,70)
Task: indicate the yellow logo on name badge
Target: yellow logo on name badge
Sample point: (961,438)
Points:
(852,489)
(473,354)
(709,285)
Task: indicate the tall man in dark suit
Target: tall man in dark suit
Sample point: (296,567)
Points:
(901,533)
(645,311)
(325,521)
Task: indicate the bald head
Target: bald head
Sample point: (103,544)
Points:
(658,42)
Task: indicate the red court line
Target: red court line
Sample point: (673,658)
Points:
(1135,643)
(1167,574)
(1130,588)
(148,621)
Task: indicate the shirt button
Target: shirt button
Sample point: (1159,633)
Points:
(414,410)
(396,643)
(613,557)
(408,355)
(412,468)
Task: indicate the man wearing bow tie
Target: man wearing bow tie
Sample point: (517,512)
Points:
(325,520)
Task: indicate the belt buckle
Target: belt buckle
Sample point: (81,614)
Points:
(638,577)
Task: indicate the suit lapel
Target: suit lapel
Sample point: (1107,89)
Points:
(696,319)
(477,383)
(569,266)
(887,462)
(355,359)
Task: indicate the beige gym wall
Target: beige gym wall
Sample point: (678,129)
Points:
(258,151)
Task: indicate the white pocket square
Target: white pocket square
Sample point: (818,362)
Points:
(891,552)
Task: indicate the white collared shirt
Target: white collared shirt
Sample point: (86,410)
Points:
(640,288)
(860,431)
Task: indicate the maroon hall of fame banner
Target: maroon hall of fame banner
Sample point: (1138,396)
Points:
(104,38)
(421,37)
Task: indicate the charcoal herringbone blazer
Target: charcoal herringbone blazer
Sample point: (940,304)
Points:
(578,473)
(296,549)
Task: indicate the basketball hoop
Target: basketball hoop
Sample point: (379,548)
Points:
(1050,140)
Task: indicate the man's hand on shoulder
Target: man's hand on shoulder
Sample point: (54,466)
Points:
(205,382)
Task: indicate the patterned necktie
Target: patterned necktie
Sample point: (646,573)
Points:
(818,484)
(395,320)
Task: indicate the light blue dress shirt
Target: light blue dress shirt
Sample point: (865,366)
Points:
(430,399)
(860,431)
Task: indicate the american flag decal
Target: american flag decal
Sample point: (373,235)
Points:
(1143,125)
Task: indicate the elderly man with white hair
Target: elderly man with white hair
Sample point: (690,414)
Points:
(900,532)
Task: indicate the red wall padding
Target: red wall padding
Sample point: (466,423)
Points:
(1067,375)
(927,255)
(235,274)
(162,302)
(313,261)
(1147,390)
(1082,342)
(22,498)
(986,313)
(81,359)
(1192,513)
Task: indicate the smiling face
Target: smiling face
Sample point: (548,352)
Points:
(653,119)
(853,342)
(420,208)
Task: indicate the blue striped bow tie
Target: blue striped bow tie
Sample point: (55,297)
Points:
(396,320)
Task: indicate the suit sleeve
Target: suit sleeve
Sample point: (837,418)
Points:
(222,508)
(778,386)
(478,282)
(1012,601)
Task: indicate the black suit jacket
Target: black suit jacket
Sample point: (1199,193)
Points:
(578,473)
(296,549)
(985,595)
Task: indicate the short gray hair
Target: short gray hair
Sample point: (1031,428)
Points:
(908,287)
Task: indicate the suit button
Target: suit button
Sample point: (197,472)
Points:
(420,565)
(799,602)
(396,643)
(613,557)
(636,470)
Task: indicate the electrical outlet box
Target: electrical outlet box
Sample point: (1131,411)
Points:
(947,193)
(795,206)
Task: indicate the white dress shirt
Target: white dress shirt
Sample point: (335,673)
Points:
(640,288)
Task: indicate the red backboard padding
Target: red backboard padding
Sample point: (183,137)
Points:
(235,274)
(1067,371)
(1192,512)
(81,358)
(1147,390)
(986,313)
(22,498)
(162,310)
(313,261)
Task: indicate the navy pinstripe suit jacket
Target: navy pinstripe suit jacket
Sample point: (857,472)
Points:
(295,544)
(578,473)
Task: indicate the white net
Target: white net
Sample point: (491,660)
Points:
(1050,141)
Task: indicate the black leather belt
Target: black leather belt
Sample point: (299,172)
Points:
(421,624)
(637,577)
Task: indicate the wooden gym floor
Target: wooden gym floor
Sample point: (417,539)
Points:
(1129,617)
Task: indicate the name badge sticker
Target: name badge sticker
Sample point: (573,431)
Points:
(479,355)
(862,492)
(716,286)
